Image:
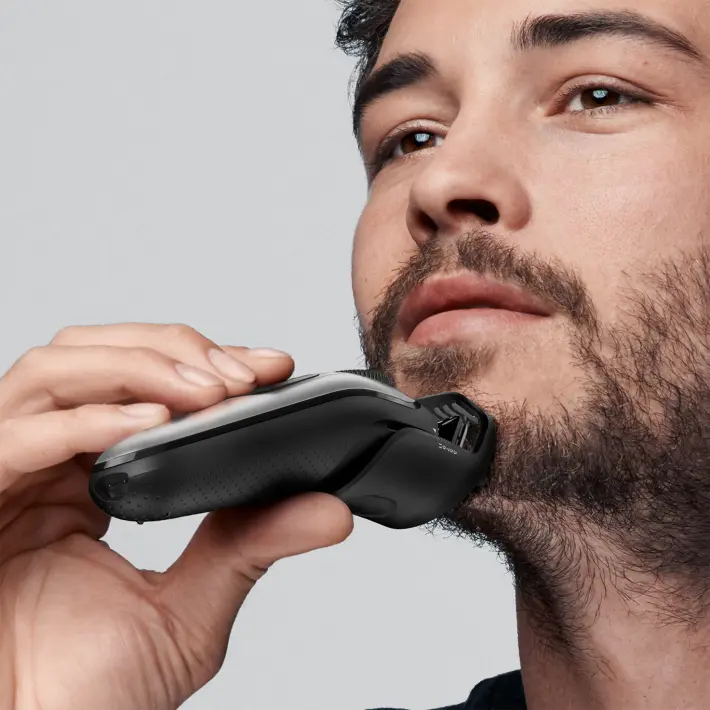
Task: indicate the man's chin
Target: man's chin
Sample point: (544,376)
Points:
(425,370)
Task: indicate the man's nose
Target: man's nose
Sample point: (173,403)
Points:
(468,181)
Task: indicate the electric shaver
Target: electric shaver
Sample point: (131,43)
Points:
(398,461)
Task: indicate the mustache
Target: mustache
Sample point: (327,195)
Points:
(484,253)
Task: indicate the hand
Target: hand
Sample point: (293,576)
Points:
(80,627)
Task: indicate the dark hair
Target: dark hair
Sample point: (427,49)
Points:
(361,31)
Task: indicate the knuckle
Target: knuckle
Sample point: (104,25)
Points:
(68,334)
(87,413)
(8,431)
(183,334)
(179,331)
(32,360)
(145,357)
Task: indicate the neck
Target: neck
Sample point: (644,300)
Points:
(625,656)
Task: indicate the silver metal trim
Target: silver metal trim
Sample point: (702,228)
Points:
(234,409)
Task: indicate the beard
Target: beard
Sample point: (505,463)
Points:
(612,495)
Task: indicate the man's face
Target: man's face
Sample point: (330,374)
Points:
(596,201)
(600,196)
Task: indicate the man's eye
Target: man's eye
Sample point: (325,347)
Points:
(595,99)
(401,144)
(411,142)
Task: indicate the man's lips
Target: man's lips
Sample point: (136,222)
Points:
(468,290)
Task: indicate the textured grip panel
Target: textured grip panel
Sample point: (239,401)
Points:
(253,465)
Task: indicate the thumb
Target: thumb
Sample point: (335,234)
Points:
(231,550)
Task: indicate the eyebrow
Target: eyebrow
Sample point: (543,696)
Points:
(542,31)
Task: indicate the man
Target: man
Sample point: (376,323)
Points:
(536,237)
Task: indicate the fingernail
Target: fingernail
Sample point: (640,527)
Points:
(231,367)
(196,376)
(267,352)
(144,410)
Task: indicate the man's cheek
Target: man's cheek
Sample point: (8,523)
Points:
(382,243)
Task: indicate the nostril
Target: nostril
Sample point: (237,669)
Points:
(429,225)
(483,209)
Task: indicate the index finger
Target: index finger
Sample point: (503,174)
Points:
(184,343)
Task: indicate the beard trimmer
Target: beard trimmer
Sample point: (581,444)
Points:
(398,461)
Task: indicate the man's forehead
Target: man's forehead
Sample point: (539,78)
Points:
(435,27)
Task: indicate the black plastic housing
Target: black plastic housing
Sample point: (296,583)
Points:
(399,464)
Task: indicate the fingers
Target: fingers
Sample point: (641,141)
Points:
(182,370)
(270,366)
(36,442)
(184,343)
(38,526)
(232,549)
(55,377)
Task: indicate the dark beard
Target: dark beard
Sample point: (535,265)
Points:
(617,492)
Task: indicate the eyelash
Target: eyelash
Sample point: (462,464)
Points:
(386,148)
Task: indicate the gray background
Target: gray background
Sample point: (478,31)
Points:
(192,161)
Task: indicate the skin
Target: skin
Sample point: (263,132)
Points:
(82,628)
(598,496)
(598,493)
